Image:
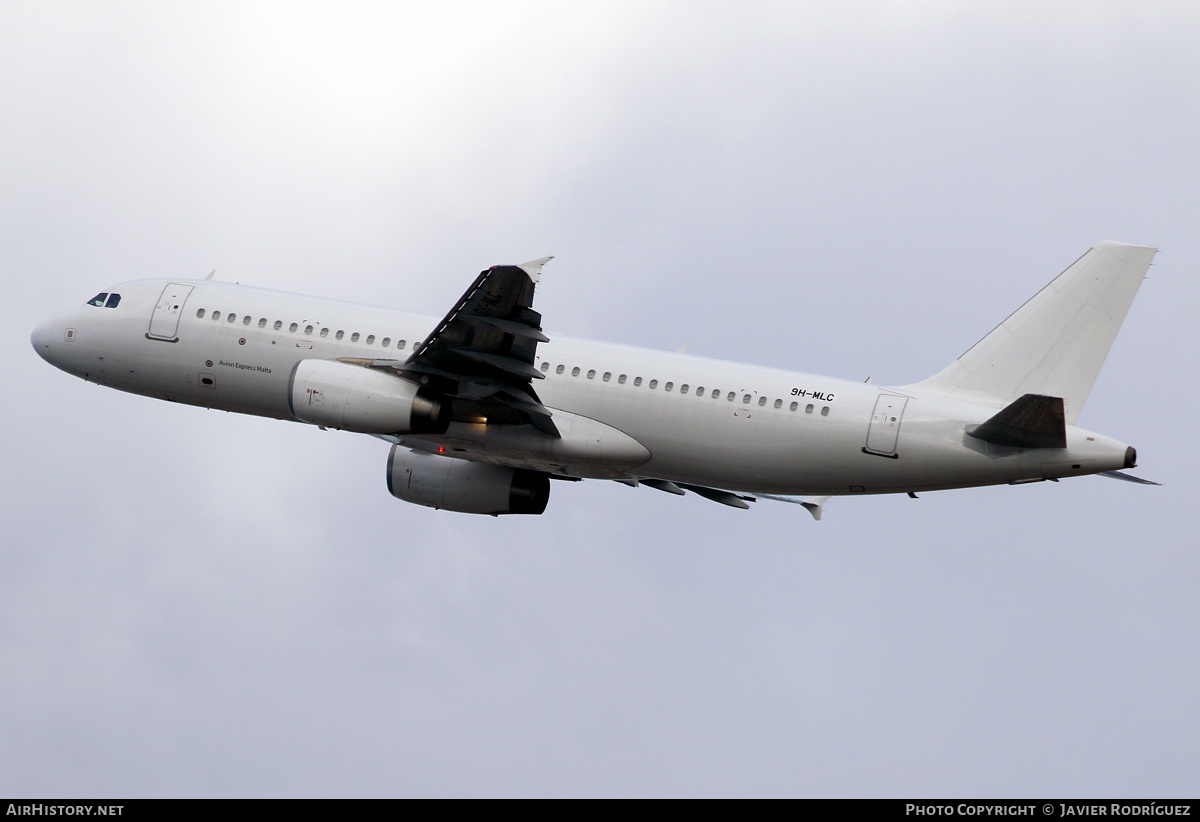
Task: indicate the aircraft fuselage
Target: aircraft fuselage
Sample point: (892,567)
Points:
(624,412)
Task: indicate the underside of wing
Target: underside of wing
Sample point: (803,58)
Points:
(734,500)
(481,356)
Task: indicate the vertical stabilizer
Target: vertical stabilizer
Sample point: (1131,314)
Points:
(1055,344)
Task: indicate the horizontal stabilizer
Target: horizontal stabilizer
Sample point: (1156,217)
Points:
(1121,475)
(1033,421)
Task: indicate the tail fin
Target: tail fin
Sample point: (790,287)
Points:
(1055,344)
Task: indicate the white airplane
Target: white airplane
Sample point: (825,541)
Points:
(483,409)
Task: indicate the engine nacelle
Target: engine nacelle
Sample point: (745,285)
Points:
(367,400)
(467,487)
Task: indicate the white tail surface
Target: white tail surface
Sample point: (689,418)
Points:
(1055,344)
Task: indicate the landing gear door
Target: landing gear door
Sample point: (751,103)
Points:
(885,425)
(164,324)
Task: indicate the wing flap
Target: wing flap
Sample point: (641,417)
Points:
(509,365)
(517,329)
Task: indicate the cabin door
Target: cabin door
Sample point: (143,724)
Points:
(885,425)
(164,323)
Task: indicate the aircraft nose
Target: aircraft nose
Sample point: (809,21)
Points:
(41,339)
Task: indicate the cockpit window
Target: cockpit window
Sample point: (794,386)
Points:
(99,299)
(113,299)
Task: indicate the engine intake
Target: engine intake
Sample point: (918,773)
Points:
(368,400)
(466,487)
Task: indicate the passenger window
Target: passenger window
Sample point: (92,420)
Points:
(278,324)
(793,406)
(400,345)
(262,322)
(386,342)
(293,327)
(716,393)
(560,369)
(825,411)
(200,313)
(370,339)
(99,299)
(621,380)
(340,334)
(545,367)
(575,371)
(324,332)
(232,317)
(308,329)
(732,394)
(762,401)
(808,409)
(654,383)
(592,374)
(700,391)
(246,320)
(779,403)
(216,315)
(607,376)
(745,399)
(354,337)
(113,300)
(668,386)
(637,381)
(683,389)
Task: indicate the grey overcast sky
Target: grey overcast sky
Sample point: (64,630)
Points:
(197,604)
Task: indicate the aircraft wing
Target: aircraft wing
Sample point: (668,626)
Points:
(481,355)
(812,504)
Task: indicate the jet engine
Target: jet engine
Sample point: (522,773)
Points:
(367,400)
(466,487)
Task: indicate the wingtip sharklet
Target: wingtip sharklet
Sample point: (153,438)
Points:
(534,267)
(815,505)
